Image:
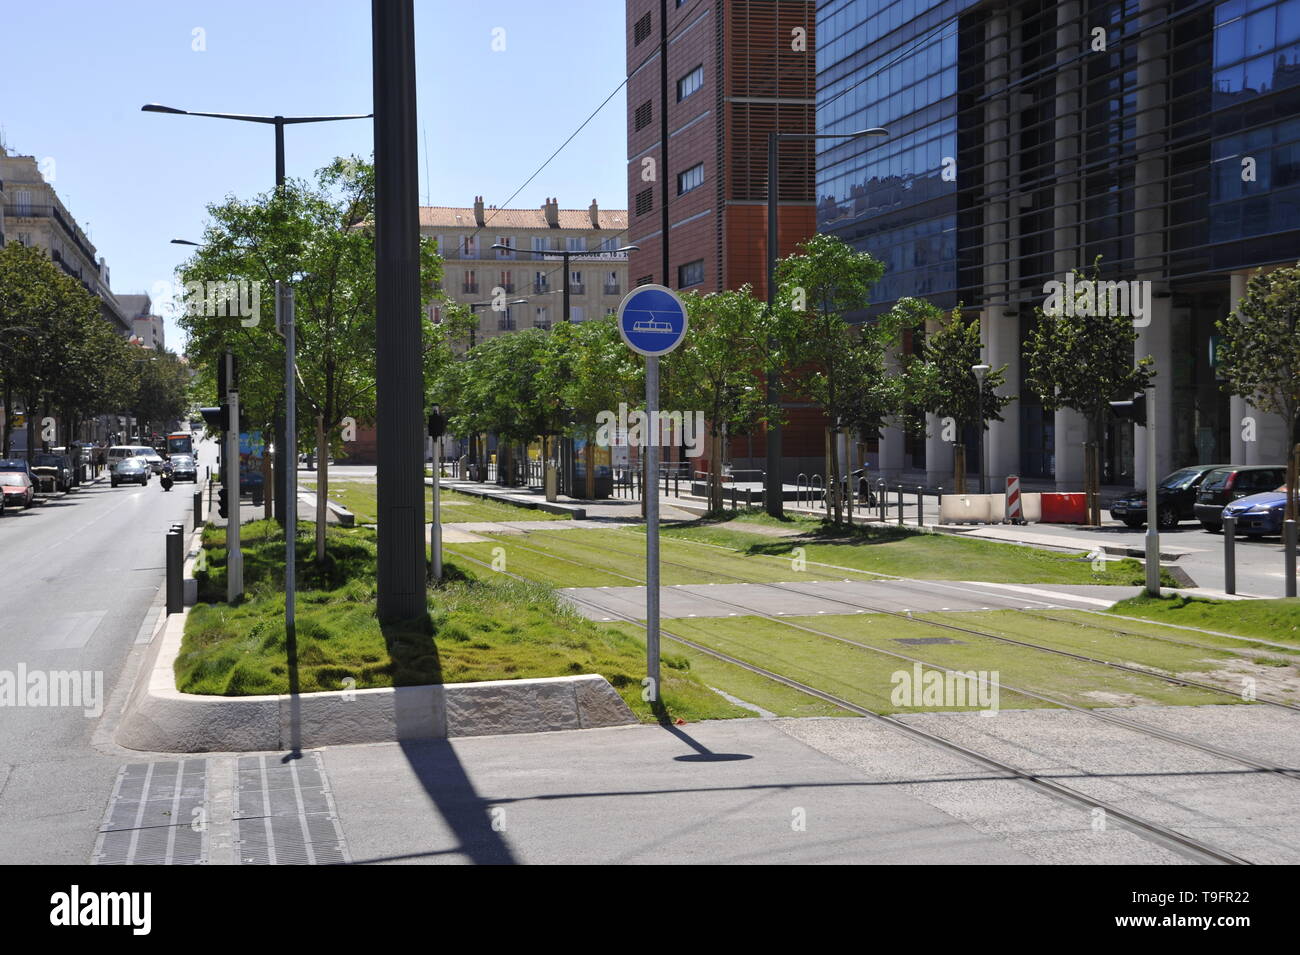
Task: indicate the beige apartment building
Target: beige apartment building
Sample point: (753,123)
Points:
(35,216)
(526,285)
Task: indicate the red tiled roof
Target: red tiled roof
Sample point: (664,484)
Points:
(451,217)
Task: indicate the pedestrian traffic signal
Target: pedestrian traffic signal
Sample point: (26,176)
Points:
(1135,410)
(437,424)
(218,419)
(221,502)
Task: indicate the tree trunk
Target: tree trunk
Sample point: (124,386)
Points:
(959,468)
(833,475)
(268,483)
(715,472)
(589,460)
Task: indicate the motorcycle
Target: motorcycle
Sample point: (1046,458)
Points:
(166,479)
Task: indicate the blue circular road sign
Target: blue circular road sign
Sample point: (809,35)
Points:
(652,320)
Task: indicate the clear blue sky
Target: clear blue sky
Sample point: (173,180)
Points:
(78,71)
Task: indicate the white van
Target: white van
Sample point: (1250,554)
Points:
(121,451)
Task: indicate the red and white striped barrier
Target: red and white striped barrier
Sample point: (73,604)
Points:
(1014,513)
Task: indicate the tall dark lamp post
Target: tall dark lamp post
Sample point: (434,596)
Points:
(772,485)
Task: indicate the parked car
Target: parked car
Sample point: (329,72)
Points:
(16,487)
(1225,485)
(184,468)
(57,467)
(1175,498)
(16,464)
(1258,514)
(131,471)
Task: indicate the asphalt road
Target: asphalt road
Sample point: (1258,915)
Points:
(81,581)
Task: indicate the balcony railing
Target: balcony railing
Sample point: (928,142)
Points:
(506,323)
(469,288)
(541,288)
(508,287)
(611,288)
(577,288)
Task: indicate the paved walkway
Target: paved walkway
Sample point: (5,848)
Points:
(809,598)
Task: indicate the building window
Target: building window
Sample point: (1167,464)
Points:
(542,318)
(503,253)
(644,115)
(645,201)
(539,245)
(469,247)
(689,83)
(469,284)
(577,244)
(506,320)
(609,245)
(435,314)
(645,280)
(692,178)
(508,282)
(576,286)
(611,283)
(641,31)
(576,314)
(692,273)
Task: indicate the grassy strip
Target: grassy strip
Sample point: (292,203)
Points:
(478,629)
(1277,620)
(360,498)
(917,555)
(866,678)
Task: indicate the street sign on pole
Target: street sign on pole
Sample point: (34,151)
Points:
(652,322)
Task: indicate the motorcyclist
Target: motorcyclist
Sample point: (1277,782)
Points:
(166,478)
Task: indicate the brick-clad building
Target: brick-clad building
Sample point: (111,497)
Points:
(737,69)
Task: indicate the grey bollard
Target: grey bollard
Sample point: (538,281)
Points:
(198,509)
(1229,555)
(1289,542)
(920,507)
(900,505)
(175,558)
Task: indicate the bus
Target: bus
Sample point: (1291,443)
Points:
(180,442)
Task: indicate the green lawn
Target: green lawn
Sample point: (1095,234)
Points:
(359,498)
(1275,620)
(865,677)
(909,553)
(487,628)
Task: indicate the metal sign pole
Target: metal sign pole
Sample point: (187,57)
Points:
(234,556)
(284,303)
(652,525)
(1153,504)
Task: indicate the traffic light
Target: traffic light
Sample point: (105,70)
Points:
(221,501)
(218,419)
(1135,410)
(437,423)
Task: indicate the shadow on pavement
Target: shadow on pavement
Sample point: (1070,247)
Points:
(465,812)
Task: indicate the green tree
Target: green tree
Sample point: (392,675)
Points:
(1259,356)
(717,369)
(604,372)
(940,380)
(840,366)
(320,238)
(1084,362)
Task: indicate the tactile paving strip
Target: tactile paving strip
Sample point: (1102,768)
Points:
(284,813)
(156,816)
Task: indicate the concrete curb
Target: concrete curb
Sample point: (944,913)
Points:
(159,718)
(575,512)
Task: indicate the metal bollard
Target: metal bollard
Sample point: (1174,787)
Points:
(733,498)
(175,559)
(881,491)
(920,508)
(1229,555)
(900,505)
(198,509)
(1289,543)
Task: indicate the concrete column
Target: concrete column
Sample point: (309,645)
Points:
(996,164)
(1000,334)
(938,453)
(1071,432)
(1155,340)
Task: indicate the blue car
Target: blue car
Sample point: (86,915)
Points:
(1258,514)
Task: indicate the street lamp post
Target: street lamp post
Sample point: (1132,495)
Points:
(772,484)
(980,372)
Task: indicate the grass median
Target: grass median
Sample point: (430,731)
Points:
(478,629)
(359,497)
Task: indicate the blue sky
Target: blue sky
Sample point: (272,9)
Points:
(78,71)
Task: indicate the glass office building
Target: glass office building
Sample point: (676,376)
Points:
(1031,138)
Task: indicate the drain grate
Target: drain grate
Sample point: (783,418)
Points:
(919,641)
(156,816)
(284,813)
